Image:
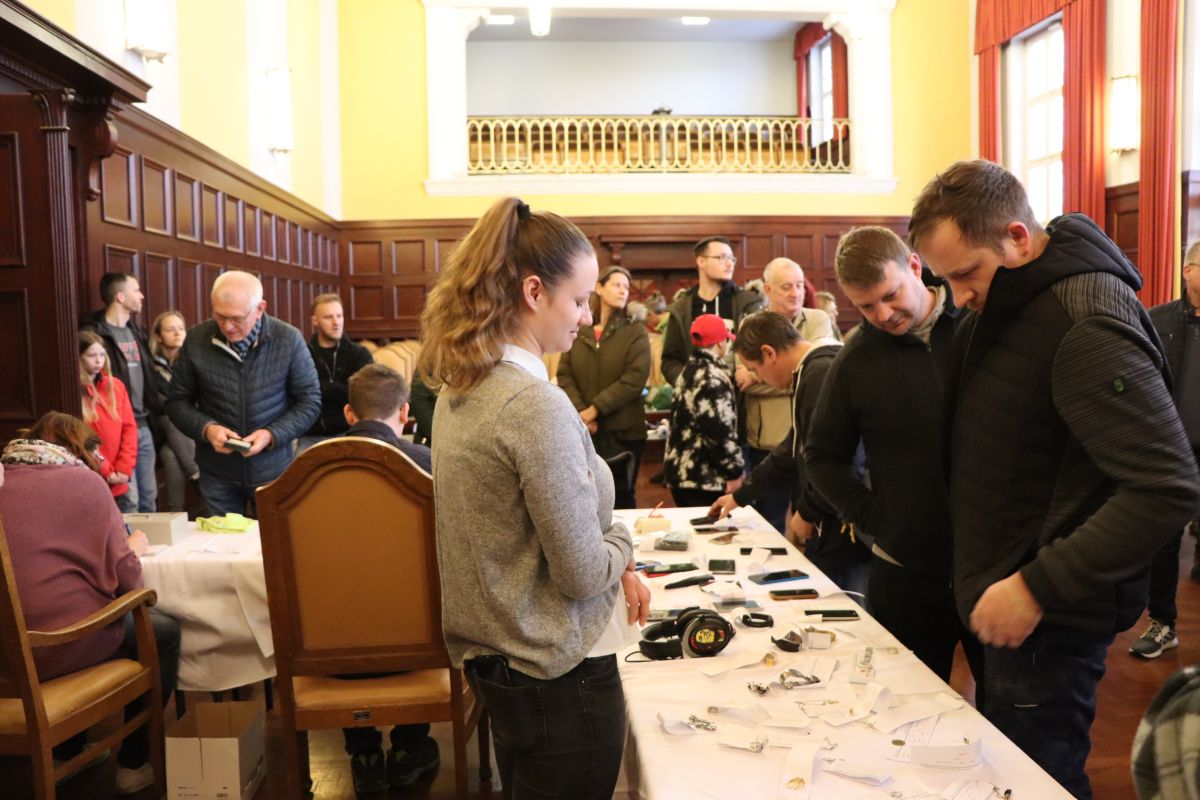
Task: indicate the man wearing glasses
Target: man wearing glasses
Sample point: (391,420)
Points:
(244,386)
(716,293)
(1178,324)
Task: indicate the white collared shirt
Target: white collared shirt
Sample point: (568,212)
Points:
(520,357)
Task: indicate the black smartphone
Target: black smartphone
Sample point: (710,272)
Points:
(833,614)
(668,569)
(709,520)
(777,577)
(793,594)
(715,529)
(775,551)
(722,566)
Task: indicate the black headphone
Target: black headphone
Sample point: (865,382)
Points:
(695,633)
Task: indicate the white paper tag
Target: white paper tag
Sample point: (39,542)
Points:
(855,771)
(798,772)
(888,720)
(916,733)
(949,756)
(719,665)
(677,726)
(970,789)
(874,695)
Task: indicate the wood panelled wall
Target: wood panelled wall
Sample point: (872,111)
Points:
(388,267)
(176,214)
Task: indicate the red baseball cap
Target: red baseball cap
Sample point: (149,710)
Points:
(708,329)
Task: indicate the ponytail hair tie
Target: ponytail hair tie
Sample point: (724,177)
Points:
(523,212)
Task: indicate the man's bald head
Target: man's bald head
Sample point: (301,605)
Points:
(783,281)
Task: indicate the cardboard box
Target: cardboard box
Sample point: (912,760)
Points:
(216,752)
(164,527)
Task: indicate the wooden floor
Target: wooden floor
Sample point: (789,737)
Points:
(1124,694)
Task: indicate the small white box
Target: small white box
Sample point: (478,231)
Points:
(163,527)
(216,752)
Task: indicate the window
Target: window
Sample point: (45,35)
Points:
(1033,73)
(820,89)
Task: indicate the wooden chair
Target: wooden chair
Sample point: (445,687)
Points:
(35,715)
(350,558)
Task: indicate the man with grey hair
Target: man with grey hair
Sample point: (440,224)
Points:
(769,409)
(244,386)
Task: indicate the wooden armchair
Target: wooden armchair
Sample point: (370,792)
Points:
(351,566)
(35,715)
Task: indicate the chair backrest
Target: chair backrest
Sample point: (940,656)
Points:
(18,675)
(350,557)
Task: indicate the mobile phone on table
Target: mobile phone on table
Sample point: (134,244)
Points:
(833,614)
(722,566)
(775,551)
(777,577)
(724,538)
(706,520)
(241,445)
(668,569)
(793,594)
(715,529)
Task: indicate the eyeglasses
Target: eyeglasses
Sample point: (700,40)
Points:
(723,257)
(225,319)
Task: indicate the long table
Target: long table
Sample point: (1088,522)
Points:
(661,765)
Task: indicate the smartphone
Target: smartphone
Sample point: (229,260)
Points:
(641,565)
(708,520)
(724,538)
(833,614)
(778,577)
(730,605)
(722,566)
(793,594)
(659,614)
(715,529)
(240,445)
(668,569)
(775,551)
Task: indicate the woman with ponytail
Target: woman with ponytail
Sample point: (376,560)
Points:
(531,561)
(107,410)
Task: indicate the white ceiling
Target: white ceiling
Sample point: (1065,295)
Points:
(638,29)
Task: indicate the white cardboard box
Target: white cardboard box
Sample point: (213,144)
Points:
(216,752)
(163,527)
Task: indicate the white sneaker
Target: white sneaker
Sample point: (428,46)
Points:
(132,781)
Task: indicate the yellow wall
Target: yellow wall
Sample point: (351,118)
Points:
(60,12)
(213,98)
(384,157)
(303,57)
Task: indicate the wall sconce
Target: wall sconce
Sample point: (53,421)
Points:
(1124,114)
(145,27)
(539,18)
(279,110)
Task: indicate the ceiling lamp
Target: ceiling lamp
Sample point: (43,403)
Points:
(539,18)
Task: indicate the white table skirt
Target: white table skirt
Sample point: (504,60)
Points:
(214,585)
(661,766)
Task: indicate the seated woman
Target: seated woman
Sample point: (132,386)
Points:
(71,556)
(107,410)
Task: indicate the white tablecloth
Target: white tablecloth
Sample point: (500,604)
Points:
(214,585)
(659,765)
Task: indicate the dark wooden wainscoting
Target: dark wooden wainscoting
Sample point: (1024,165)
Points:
(390,265)
(1121,218)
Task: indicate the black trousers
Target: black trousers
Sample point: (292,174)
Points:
(558,738)
(920,611)
(685,498)
(1164,581)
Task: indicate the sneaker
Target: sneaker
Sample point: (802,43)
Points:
(1157,638)
(369,772)
(405,767)
(132,781)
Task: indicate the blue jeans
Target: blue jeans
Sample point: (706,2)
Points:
(1042,696)
(226,497)
(143,483)
(557,738)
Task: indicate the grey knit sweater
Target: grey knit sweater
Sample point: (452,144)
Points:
(529,555)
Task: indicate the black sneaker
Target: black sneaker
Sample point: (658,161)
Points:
(369,772)
(1157,638)
(405,767)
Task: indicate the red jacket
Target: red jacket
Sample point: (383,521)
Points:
(118,435)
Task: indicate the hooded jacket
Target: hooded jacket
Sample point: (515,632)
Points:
(1067,459)
(610,374)
(677,342)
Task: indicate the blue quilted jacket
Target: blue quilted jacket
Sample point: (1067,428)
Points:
(274,388)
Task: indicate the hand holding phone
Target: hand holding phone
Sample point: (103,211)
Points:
(240,445)
(793,594)
(764,578)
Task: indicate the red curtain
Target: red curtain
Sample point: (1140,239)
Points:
(1159,172)
(806,39)
(989,104)
(997,21)
(1084,86)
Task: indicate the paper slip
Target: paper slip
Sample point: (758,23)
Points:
(970,789)
(949,756)
(819,667)
(720,665)
(751,715)
(759,556)
(797,779)
(778,720)
(887,721)
(855,771)
(678,725)
(917,733)
(874,695)
(834,698)
(727,592)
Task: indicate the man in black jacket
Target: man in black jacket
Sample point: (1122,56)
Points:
(1178,324)
(130,361)
(246,377)
(884,391)
(771,346)
(1068,465)
(336,359)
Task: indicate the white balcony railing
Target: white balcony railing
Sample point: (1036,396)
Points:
(591,145)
